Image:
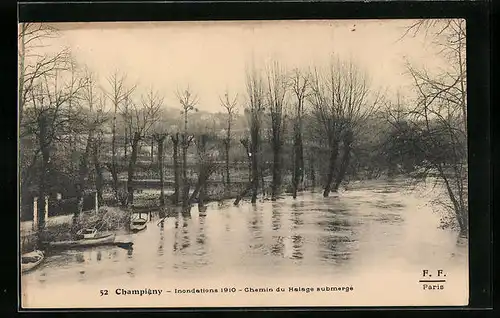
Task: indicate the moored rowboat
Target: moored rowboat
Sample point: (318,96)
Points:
(137,225)
(87,233)
(31,260)
(86,242)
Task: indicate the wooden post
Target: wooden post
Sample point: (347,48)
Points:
(35,213)
(46,216)
(96,203)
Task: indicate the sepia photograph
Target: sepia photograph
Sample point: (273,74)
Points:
(294,163)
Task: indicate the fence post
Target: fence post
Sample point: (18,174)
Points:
(35,213)
(46,209)
(96,203)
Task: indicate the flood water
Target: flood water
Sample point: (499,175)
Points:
(376,237)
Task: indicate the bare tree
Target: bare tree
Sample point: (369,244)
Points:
(175,157)
(299,82)
(245,142)
(160,138)
(206,167)
(188,102)
(118,94)
(441,111)
(34,68)
(256,99)
(143,118)
(275,95)
(50,119)
(34,65)
(125,113)
(231,109)
(101,116)
(359,103)
(91,119)
(324,98)
(341,101)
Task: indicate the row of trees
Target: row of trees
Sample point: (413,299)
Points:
(338,99)
(332,112)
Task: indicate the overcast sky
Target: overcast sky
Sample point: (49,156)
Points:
(211,56)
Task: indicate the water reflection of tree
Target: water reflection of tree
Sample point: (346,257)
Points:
(162,237)
(255,226)
(297,211)
(297,223)
(276,217)
(200,238)
(335,242)
(181,237)
(288,246)
(278,240)
(201,251)
(277,246)
(297,244)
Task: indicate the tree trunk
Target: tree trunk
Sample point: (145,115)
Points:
(255,175)
(185,194)
(185,184)
(313,172)
(114,168)
(202,195)
(331,168)
(227,144)
(98,172)
(152,149)
(458,208)
(346,156)
(79,202)
(160,168)
(276,185)
(42,190)
(204,170)
(248,151)
(262,182)
(82,174)
(175,157)
(298,160)
(131,168)
(301,161)
(200,188)
(125,145)
(348,138)
(243,193)
(196,193)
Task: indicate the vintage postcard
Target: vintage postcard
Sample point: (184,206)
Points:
(243,163)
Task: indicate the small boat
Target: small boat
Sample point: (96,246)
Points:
(87,233)
(138,224)
(31,260)
(97,240)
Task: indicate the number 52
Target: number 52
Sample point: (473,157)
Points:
(104,292)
